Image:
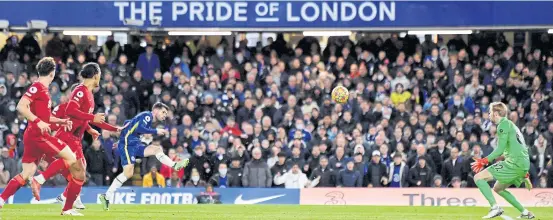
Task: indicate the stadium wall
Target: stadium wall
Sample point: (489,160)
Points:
(315,196)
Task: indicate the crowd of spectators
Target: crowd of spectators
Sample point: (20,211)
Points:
(262,116)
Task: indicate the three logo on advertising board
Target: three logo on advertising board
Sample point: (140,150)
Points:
(312,196)
(416,197)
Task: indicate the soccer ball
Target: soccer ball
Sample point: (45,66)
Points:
(340,94)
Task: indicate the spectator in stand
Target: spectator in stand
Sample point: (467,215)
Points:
(337,161)
(175,181)
(199,162)
(323,175)
(236,170)
(398,172)
(456,183)
(453,167)
(10,164)
(421,175)
(377,173)
(349,177)
(222,178)
(97,163)
(420,153)
(439,154)
(400,95)
(148,63)
(195,181)
(12,65)
(540,154)
(437,182)
(219,157)
(256,172)
(294,179)
(153,179)
(280,167)
(4,175)
(296,158)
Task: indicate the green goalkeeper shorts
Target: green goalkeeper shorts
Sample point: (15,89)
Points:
(507,173)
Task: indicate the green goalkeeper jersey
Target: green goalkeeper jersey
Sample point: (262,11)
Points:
(511,144)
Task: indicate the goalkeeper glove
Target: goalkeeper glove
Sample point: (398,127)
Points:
(479,164)
(528,182)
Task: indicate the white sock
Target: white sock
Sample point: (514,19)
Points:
(40,179)
(525,212)
(164,159)
(495,206)
(116,184)
(2,202)
(62,197)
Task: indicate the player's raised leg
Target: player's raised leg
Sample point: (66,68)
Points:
(481,179)
(55,167)
(156,150)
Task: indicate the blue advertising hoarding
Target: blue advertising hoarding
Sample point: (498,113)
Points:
(139,195)
(284,14)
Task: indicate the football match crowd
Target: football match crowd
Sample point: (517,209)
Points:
(262,116)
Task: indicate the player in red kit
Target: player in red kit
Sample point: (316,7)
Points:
(35,107)
(57,165)
(79,110)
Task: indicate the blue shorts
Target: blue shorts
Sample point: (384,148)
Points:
(130,150)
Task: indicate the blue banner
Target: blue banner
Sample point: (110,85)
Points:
(139,195)
(283,14)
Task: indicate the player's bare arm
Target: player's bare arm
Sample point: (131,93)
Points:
(24,108)
(95,134)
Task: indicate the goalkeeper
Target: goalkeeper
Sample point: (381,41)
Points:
(512,171)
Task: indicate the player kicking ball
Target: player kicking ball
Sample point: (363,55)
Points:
(131,147)
(512,171)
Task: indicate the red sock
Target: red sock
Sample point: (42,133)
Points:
(65,173)
(54,168)
(73,190)
(65,191)
(13,185)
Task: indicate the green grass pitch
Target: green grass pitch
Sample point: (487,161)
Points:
(263,212)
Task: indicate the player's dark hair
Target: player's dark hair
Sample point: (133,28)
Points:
(45,66)
(160,105)
(90,70)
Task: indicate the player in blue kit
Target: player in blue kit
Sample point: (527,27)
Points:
(130,147)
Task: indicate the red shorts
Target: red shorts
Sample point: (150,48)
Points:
(75,144)
(35,147)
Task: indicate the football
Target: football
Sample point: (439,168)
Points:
(340,94)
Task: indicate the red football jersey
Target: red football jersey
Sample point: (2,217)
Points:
(58,112)
(79,110)
(40,105)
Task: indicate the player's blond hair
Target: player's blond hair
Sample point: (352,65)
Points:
(500,108)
